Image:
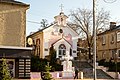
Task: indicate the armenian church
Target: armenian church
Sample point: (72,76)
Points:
(59,35)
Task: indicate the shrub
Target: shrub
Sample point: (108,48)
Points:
(4,71)
(38,64)
(101,62)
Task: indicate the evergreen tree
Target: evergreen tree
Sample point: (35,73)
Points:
(4,70)
(52,55)
(47,75)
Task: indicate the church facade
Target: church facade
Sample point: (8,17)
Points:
(59,35)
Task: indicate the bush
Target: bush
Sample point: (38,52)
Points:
(101,62)
(38,64)
(4,70)
(113,67)
(57,67)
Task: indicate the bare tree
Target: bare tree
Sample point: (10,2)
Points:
(83,18)
(44,23)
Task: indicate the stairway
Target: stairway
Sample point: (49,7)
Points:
(87,70)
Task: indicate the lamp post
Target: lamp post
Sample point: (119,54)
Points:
(94,39)
(79,59)
(116,75)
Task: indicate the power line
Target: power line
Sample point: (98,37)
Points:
(33,22)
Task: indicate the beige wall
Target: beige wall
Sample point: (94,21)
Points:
(38,35)
(12,25)
(109,45)
(112,45)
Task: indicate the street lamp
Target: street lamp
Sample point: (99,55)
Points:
(116,57)
(94,39)
(94,35)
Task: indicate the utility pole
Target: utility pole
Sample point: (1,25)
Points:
(94,40)
(94,34)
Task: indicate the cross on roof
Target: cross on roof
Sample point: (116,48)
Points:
(61,6)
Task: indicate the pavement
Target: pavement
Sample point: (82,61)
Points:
(65,79)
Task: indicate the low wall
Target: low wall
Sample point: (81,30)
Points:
(37,75)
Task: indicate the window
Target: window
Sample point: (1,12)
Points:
(46,49)
(112,38)
(119,53)
(70,52)
(113,54)
(60,31)
(103,55)
(103,39)
(62,49)
(118,36)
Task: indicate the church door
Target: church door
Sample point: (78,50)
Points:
(62,50)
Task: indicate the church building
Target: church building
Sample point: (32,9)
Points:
(59,35)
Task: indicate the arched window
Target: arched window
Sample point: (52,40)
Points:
(62,50)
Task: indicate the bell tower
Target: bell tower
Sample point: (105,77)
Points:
(61,18)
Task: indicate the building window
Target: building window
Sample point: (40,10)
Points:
(60,31)
(103,55)
(119,53)
(113,54)
(74,51)
(103,39)
(118,36)
(70,52)
(46,49)
(62,49)
(112,38)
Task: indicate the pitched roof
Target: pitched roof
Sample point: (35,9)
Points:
(40,30)
(61,39)
(113,29)
(48,27)
(13,2)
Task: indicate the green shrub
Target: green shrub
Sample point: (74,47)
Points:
(38,64)
(113,67)
(4,71)
(101,62)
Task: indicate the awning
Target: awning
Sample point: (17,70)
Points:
(15,52)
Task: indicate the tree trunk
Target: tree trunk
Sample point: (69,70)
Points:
(89,50)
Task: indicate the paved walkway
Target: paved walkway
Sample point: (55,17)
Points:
(67,79)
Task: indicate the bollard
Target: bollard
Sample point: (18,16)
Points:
(80,75)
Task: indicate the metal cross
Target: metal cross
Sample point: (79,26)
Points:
(61,6)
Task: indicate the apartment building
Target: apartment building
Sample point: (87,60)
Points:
(108,43)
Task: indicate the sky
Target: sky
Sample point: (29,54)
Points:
(47,9)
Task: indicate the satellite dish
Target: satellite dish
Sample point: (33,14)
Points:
(30,41)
